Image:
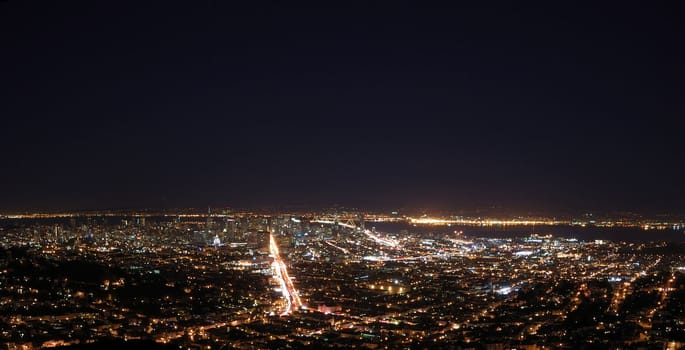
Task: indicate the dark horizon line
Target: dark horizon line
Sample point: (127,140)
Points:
(402,210)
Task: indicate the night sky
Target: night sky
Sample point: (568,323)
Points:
(523,106)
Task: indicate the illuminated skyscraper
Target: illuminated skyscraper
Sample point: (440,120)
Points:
(208,226)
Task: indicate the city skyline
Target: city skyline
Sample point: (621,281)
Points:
(248,175)
(240,280)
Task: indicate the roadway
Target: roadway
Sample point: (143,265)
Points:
(291,295)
